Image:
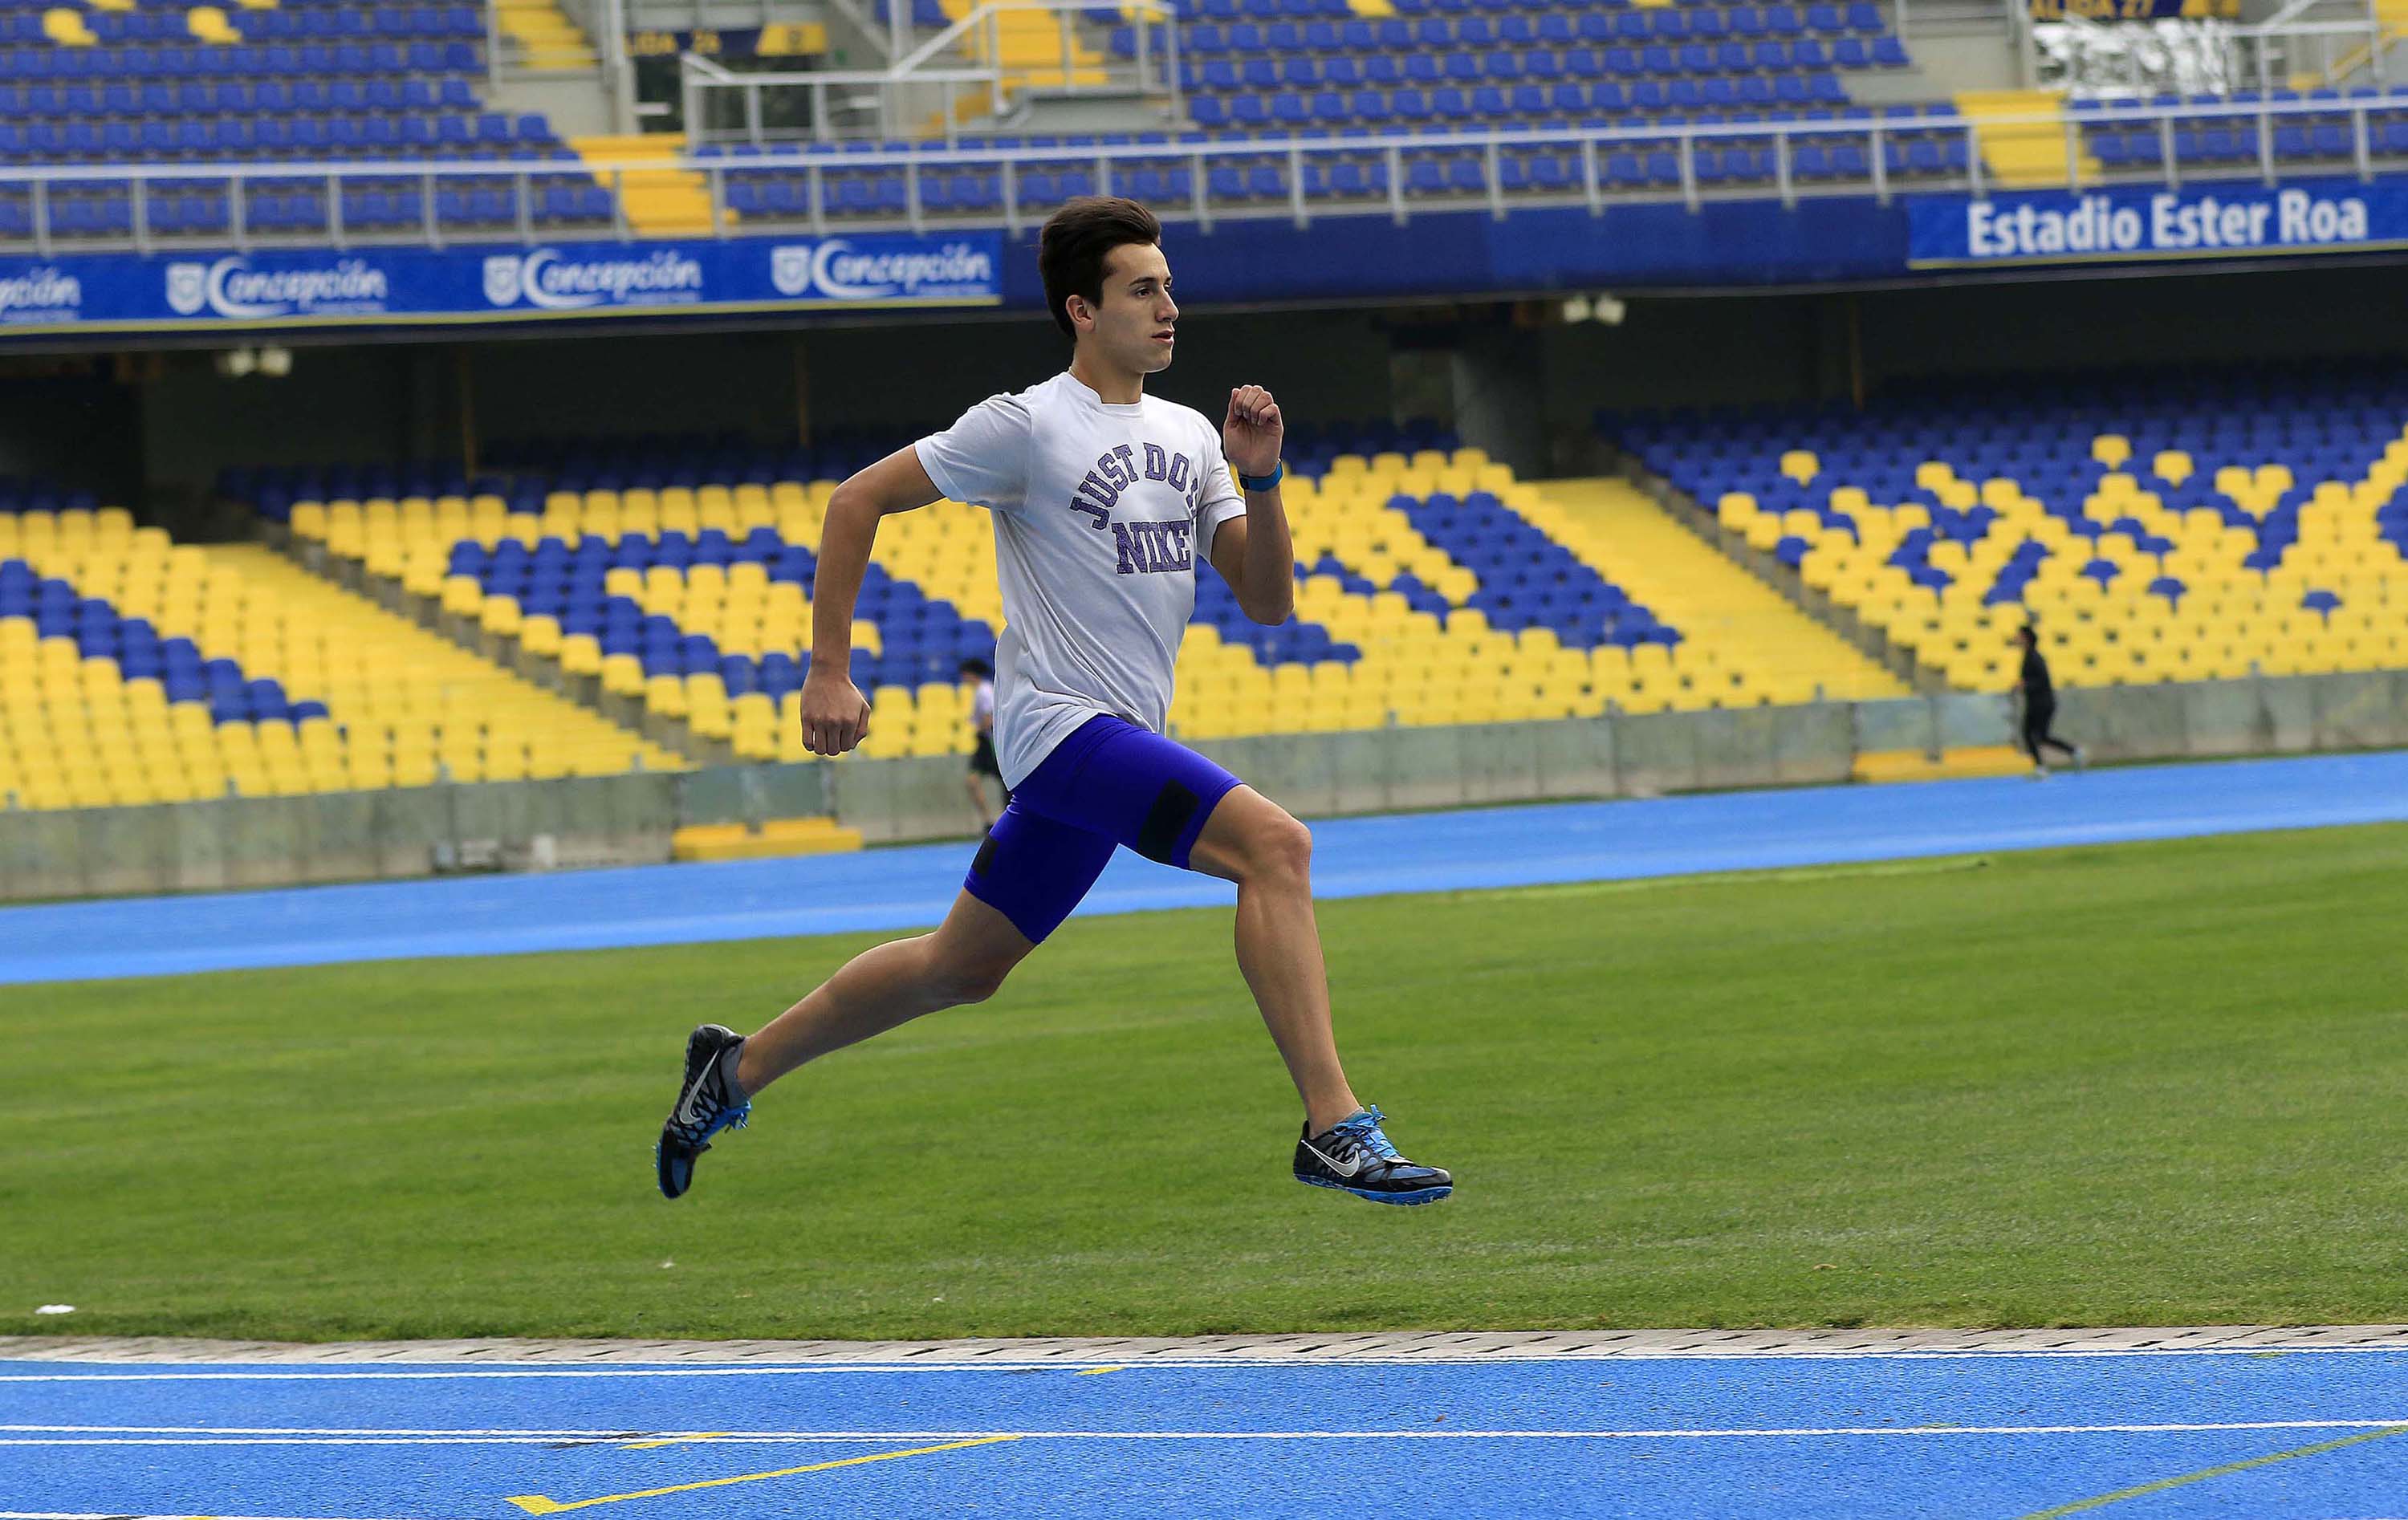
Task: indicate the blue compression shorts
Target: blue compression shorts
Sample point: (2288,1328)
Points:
(1110,783)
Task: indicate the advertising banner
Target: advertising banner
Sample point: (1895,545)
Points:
(378,286)
(2205,220)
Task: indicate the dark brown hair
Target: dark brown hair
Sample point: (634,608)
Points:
(1076,240)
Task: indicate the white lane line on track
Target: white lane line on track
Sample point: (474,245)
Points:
(204,1437)
(306,1371)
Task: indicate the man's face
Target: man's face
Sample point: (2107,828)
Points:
(1134,324)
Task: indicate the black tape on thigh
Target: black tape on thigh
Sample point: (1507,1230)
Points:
(1166,820)
(984,860)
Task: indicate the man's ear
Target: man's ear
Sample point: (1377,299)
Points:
(1077,308)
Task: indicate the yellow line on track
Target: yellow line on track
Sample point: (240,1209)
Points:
(2205,1473)
(1098,1372)
(538,1504)
(673,1441)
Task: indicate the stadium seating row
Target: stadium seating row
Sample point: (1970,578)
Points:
(1540,104)
(1903,122)
(491,136)
(1430,172)
(194,98)
(2241,145)
(1517,28)
(320,23)
(1733,62)
(1701,14)
(206,211)
(138,60)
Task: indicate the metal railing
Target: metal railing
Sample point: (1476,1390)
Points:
(1804,160)
(965,58)
(823,112)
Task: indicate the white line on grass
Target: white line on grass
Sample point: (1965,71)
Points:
(275,1372)
(206,1436)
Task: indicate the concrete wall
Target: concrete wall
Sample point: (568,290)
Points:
(365,836)
(264,841)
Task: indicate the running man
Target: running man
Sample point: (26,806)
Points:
(983,763)
(1105,500)
(2040,706)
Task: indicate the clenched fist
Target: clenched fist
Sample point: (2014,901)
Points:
(1252,433)
(836,716)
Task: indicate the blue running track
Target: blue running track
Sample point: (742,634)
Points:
(912,888)
(2315,1435)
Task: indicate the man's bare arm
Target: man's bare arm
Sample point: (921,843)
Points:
(836,716)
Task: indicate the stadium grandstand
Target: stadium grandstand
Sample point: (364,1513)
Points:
(1509,507)
(661,588)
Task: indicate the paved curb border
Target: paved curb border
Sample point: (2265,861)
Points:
(1382,1347)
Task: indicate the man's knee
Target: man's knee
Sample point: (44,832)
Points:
(970,979)
(1278,848)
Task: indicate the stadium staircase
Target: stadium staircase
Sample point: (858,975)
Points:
(1028,47)
(408,674)
(660,202)
(2024,154)
(543,38)
(1774,645)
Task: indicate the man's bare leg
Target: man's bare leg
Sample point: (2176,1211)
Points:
(1251,841)
(963,961)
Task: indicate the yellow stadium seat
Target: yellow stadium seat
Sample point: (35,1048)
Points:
(67,28)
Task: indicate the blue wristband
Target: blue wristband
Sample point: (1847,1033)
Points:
(1264,483)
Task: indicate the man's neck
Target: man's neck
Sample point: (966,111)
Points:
(1113,387)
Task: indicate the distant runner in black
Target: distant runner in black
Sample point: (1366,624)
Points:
(2040,706)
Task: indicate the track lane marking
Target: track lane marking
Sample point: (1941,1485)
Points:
(154,1436)
(538,1504)
(659,1441)
(2204,1473)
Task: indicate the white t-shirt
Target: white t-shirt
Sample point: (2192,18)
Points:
(1104,515)
(981,703)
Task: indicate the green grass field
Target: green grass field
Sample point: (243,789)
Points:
(2144,1084)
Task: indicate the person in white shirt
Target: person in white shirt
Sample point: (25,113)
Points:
(1104,501)
(983,763)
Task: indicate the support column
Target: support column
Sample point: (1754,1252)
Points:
(463,384)
(1499,377)
(426,410)
(802,391)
